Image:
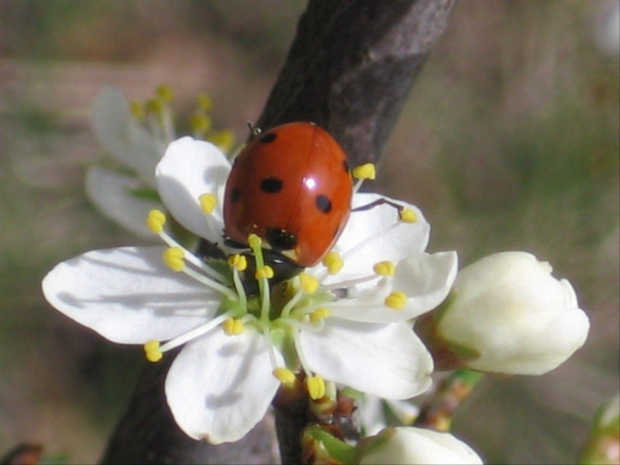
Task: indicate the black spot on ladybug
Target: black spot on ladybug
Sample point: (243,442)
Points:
(323,203)
(235,193)
(268,138)
(281,239)
(346,166)
(271,185)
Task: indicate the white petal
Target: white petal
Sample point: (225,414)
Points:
(220,386)
(189,169)
(128,295)
(111,192)
(426,280)
(409,445)
(386,360)
(123,137)
(382,235)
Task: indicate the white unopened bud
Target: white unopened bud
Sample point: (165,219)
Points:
(508,315)
(409,445)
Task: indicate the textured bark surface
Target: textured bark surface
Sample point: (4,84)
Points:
(351,65)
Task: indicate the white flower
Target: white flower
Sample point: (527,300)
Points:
(509,315)
(122,197)
(239,348)
(137,138)
(372,413)
(409,445)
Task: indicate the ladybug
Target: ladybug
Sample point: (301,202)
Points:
(291,186)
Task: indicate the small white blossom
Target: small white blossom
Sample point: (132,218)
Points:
(409,445)
(509,315)
(239,348)
(123,197)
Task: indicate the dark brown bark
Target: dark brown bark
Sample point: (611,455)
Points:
(349,70)
(351,66)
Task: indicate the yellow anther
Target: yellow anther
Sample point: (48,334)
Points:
(165,93)
(396,300)
(254,241)
(137,110)
(308,283)
(264,272)
(239,262)
(320,314)
(233,326)
(333,262)
(365,171)
(204,101)
(224,139)
(207,203)
(284,375)
(316,387)
(174,258)
(385,268)
(408,216)
(200,123)
(152,351)
(155,221)
(154,106)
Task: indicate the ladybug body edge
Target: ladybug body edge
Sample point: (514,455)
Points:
(292,187)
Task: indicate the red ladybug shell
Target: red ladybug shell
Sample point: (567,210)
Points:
(292,187)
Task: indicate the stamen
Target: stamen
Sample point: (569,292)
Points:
(254,242)
(320,314)
(365,171)
(407,215)
(238,262)
(155,221)
(137,110)
(316,387)
(229,293)
(385,268)
(154,106)
(362,173)
(264,272)
(333,262)
(174,258)
(224,139)
(396,300)
(200,124)
(207,203)
(308,283)
(284,375)
(165,93)
(194,333)
(204,101)
(153,351)
(233,326)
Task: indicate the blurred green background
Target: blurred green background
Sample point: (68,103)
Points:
(509,141)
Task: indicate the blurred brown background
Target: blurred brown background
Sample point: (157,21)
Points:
(509,141)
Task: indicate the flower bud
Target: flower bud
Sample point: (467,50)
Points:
(603,445)
(409,445)
(508,315)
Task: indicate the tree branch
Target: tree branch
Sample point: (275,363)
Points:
(349,70)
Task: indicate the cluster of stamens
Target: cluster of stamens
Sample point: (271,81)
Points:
(304,308)
(156,113)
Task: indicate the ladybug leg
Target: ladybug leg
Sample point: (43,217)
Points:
(378,203)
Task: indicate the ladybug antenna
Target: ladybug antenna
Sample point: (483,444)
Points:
(254,130)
